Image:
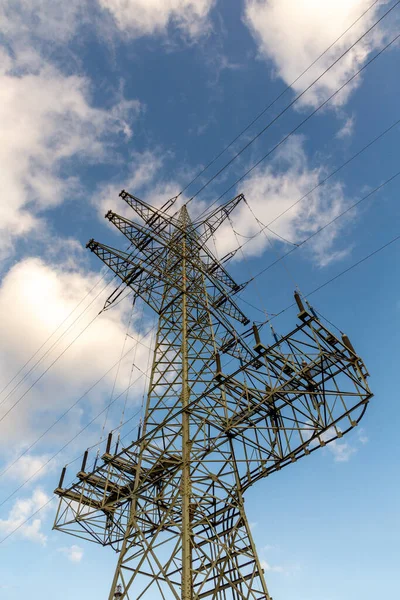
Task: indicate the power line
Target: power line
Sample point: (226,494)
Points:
(322,182)
(266,108)
(292,103)
(49,338)
(112,401)
(36,512)
(78,401)
(60,337)
(376,189)
(331,280)
(252,279)
(319,184)
(48,368)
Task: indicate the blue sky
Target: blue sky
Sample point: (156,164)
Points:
(100,95)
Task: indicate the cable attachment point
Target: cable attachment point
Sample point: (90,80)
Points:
(303,312)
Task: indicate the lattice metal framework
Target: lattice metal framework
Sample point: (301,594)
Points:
(223,410)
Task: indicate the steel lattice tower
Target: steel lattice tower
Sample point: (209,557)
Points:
(223,410)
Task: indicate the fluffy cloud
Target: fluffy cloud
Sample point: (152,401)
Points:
(272,189)
(48,20)
(73,553)
(29,466)
(347,129)
(57,21)
(47,120)
(292,34)
(271,568)
(22,509)
(342,451)
(42,296)
(146,17)
(362,437)
(149,179)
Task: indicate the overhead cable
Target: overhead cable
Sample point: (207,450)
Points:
(335,277)
(296,99)
(349,208)
(49,367)
(266,108)
(331,280)
(112,401)
(64,414)
(320,183)
(49,338)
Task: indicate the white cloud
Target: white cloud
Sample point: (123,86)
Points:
(147,17)
(42,296)
(46,121)
(271,568)
(49,20)
(347,128)
(342,451)
(21,510)
(30,466)
(293,33)
(362,436)
(73,553)
(29,22)
(149,179)
(272,189)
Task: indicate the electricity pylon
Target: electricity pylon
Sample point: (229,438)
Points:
(223,410)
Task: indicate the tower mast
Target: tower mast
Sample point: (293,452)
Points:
(220,414)
(186,483)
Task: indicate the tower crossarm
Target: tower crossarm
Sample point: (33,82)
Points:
(165,226)
(141,277)
(146,281)
(154,218)
(148,243)
(214,219)
(274,412)
(296,401)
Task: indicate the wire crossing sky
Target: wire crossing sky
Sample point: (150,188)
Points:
(293,104)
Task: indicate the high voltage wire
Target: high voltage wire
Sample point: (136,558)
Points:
(54,332)
(263,270)
(296,99)
(323,181)
(55,360)
(112,401)
(328,282)
(320,183)
(274,316)
(264,110)
(231,188)
(335,277)
(301,244)
(47,369)
(54,343)
(253,278)
(283,140)
(78,401)
(274,101)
